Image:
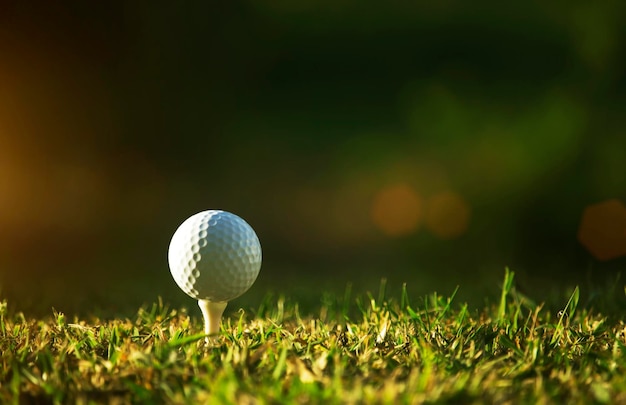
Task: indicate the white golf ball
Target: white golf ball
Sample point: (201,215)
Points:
(214,256)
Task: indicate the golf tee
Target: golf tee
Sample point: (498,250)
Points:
(212,313)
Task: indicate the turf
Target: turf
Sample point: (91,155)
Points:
(354,350)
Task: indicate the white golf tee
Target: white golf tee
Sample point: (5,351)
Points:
(212,313)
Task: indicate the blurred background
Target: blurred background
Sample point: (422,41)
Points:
(427,144)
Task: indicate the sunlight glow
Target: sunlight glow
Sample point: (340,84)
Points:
(602,229)
(397,210)
(447,215)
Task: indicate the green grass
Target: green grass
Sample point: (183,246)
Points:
(354,350)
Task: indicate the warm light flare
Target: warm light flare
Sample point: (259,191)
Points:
(397,210)
(602,229)
(447,215)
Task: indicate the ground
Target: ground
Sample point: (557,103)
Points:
(366,349)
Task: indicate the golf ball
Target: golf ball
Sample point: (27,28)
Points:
(215,256)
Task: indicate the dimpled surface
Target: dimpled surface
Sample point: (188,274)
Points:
(214,255)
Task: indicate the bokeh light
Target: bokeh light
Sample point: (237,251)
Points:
(603,229)
(447,215)
(397,210)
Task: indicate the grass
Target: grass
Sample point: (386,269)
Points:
(355,350)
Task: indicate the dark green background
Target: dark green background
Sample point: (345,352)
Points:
(119,120)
